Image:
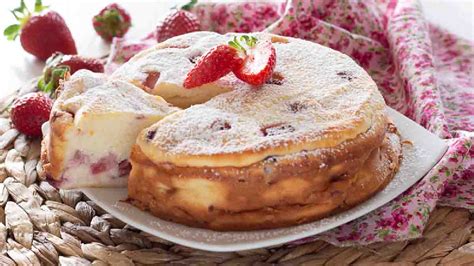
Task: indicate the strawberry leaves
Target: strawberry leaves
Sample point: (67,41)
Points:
(112,21)
(39,6)
(249,41)
(259,59)
(52,73)
(12,31)
(20,11)
(22,14)
(50,82)
(251,60)
(189,5)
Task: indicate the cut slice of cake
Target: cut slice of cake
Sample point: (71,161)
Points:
(93,124)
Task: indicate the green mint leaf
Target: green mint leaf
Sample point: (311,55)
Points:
(11,32)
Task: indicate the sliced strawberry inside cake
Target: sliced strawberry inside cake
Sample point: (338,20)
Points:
(93,124)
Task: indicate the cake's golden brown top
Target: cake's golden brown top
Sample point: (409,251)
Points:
(317,98)
(161,70)
(246,198)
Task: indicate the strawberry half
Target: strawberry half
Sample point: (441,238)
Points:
(255,68)
(29,112)
(112,21)
(216,63)
(41,34)
(259,62)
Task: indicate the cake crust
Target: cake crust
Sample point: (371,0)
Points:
(312,141)
(316,98)
(223,203)
(92,127)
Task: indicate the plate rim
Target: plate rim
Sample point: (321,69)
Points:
(89,192)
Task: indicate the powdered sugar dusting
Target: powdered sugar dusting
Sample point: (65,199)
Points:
(313,99)
(88,92)
(173,59)
(94,123)
(409,173)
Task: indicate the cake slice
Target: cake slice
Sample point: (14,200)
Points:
(93,124)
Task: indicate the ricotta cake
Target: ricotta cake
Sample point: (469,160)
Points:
(312,141)
(93,125)
(162,69)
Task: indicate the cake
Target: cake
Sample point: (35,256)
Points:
(93,125)
(314,140)
(162,69)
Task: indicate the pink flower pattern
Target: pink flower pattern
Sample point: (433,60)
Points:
(422,71)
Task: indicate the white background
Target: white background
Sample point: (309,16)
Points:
(17,66)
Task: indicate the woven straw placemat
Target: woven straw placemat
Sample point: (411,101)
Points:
(42,225)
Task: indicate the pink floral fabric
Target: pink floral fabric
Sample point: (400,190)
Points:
(423,72)
(238,17)
(122,50)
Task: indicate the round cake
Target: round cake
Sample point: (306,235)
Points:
(312,141)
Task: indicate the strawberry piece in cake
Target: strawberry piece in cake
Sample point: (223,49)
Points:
(93,124)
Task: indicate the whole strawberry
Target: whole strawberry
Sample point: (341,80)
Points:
(29,112)
(60,65)
(112,21)
(216,63)
(75,62)
(178,22)
(41,34)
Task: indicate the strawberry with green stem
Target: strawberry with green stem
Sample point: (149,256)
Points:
(112,21)
(259,59)
(41,33)
(251,60)
(58,66)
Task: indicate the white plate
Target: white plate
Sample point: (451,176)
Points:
(417,161)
